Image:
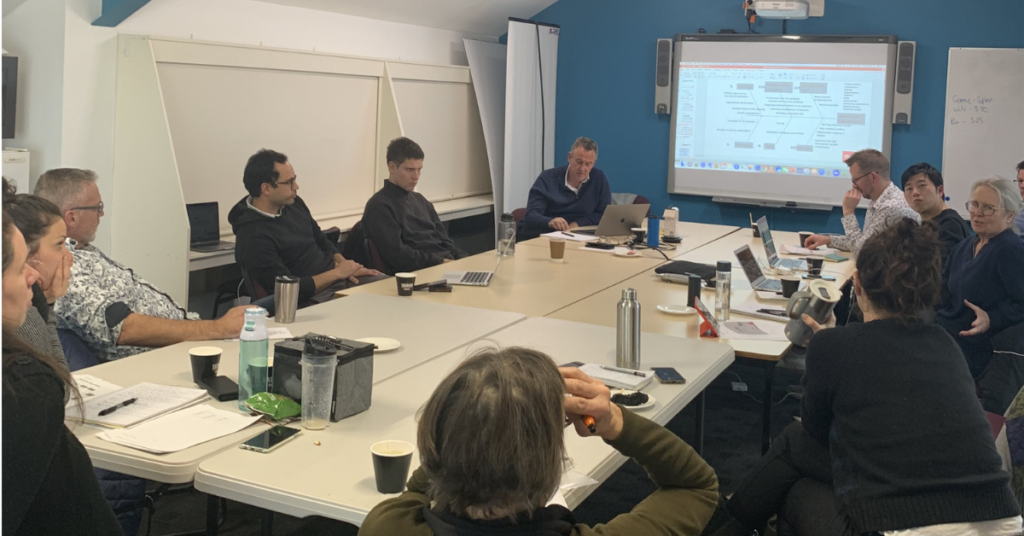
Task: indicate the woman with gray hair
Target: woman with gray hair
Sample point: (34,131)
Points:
(985,290)
(492,453)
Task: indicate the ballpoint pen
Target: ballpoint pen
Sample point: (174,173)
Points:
(633,372)
(114,408)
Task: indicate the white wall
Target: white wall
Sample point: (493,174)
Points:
(68,67)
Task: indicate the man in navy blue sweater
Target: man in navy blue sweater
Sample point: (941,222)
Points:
(567,197)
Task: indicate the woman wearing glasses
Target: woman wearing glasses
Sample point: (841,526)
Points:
(986,288)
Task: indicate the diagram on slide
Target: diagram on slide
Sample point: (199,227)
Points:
(804,115)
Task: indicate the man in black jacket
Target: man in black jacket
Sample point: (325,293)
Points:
(925,192)
(401,222)
(276,234)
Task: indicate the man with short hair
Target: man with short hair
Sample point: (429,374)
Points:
(276,235)
(115,312)
(567,197)
(925,193)
(402,224)
(1019,220)
(869,170)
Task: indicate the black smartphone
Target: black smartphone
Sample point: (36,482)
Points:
(598,245)
(822,277)
(271,439)
(668,375)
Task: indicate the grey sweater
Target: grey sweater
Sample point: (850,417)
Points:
(40,330)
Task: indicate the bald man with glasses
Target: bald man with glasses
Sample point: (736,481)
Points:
(870,171)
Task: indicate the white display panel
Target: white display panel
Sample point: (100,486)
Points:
(771,120)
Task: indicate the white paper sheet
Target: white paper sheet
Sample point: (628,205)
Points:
(91,387)
(571,236)
(181,429)
(795,250)
(760,330)
(754,308)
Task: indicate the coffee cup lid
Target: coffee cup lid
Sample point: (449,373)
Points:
(205,351)
(724,266)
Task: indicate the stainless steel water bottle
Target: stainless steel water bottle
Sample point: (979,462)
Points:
(627,348)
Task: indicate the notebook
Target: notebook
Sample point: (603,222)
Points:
(621,380)
(151,400)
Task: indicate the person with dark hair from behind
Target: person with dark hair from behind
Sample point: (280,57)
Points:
(985,291)
(44,231)
(48,481)
(567,197)
(1019,220)
(401,222)
(492,452)
(892,438)
(276,235)
(923,187)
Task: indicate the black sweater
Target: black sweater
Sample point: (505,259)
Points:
(952,230)
(48,482)
(909,441)
(290,244)
(406,230)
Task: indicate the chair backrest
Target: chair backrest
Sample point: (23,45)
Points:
(641,200)
(333,234)
(255,290)
(518,214)
(78,355)
(355,246)
(376,261)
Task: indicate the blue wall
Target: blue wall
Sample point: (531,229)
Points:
(606,56)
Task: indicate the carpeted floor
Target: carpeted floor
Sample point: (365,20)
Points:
(732,445)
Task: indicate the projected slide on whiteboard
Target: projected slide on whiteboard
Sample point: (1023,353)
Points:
(776,130)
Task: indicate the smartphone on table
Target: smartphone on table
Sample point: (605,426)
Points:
(668,375)
(271,439)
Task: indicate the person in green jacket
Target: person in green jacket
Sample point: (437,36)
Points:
(492,453)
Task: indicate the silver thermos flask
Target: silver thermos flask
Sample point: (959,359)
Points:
(286,298)
(627,348)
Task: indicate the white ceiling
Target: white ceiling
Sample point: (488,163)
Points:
(479,17)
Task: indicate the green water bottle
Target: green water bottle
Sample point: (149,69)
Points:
(253,354)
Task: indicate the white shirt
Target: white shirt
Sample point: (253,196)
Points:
(1010,526)
(248,203)
(567,185)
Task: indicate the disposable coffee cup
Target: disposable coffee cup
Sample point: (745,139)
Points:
(804,235)
(757,230)
(391,460)
(790,285)
(814,266)
(406,281)
(205,361)
(639,233)
(557,249)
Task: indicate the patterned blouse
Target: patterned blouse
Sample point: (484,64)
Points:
(101,294)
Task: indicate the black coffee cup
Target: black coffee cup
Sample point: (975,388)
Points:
(639,234)
(804,235)
(391,461)
(406,281)
(790,285)
(205,361)
(814,266)
(757,231)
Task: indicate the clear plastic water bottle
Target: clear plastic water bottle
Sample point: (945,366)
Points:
(723,290)
(253,354)
(506,236)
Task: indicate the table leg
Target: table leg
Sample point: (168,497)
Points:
(698,425)
(212,515)
(267,525)
(766,406)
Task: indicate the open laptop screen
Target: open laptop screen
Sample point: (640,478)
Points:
(204,218)
(749,263)
(766,238)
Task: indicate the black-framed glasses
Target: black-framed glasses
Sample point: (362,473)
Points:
(97,208)
(984,210)
(854,180)
(288,183)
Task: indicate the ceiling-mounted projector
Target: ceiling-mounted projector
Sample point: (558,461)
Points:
(782,9)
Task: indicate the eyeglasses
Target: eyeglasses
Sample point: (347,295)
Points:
(984,210)
(854,180)
(288,183)
(97,208)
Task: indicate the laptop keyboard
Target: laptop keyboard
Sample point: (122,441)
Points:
(475,278)
(791,264)
(771,284)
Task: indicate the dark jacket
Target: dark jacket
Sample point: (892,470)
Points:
(550,199)
(909,442)
(406,230)
(682,505)
(992,280)
(48,482)
(952,230)
(290,244)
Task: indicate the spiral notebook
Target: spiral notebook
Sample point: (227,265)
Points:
(621,380)
(150,400)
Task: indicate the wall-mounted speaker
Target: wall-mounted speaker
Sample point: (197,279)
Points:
(903,93)
(663,78)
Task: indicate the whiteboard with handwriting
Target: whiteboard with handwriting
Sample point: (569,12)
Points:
(984,133)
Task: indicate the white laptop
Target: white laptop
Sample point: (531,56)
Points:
(772,252)
(619,220)
(472,279)
(756,277)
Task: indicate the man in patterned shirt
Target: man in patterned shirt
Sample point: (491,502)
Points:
(115,312)
(870,171)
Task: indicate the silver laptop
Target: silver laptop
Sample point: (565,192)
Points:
(773,254)
(754,274)
(619,220)
(472,279)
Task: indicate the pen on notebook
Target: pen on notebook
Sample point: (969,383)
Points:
(114,408)
(568,234)
(633,372)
